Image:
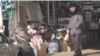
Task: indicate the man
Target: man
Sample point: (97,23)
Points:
(23,40)
(75,27)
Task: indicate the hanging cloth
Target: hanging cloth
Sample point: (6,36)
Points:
(10,14)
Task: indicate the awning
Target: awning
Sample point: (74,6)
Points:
(34,11)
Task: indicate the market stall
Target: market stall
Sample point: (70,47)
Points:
(43,32)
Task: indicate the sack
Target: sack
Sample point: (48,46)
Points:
(66,37)
(52,47)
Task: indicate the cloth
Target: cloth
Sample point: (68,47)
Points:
(22,24)
(76,24)
(76,42)
(24,46)
(34,11)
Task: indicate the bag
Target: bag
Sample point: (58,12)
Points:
(66,37)
(52,47)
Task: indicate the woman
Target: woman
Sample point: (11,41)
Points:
(23,40)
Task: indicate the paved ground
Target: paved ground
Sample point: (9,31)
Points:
(91,50)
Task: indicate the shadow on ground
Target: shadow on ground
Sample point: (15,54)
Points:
(91,53)
(95,46)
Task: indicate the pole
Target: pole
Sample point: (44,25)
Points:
(53,5)
(18,4)
(46,3)
(15,16)
(48,13)
(59,4)
(1,18)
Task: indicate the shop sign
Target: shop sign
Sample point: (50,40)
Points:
(0,3)
(88,7)
(88,14)
(63,21)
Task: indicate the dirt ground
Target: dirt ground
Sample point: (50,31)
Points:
(90,50)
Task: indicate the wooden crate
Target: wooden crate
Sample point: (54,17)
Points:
(43,52)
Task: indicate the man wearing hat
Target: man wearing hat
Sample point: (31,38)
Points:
(75,27)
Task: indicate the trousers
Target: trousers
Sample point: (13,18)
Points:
(76,43)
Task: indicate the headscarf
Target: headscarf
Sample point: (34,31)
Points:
(22,24)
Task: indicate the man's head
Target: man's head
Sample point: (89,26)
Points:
(72,7)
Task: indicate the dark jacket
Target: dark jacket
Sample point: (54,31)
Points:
(76,23)
(24,46)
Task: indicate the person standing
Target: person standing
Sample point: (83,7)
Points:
(75,26)
(23,40)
